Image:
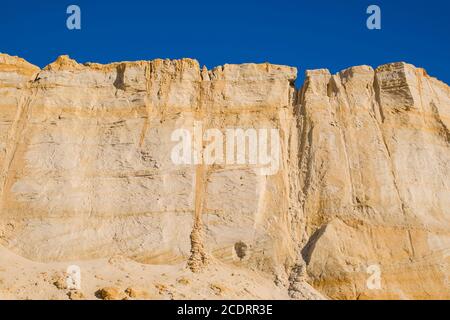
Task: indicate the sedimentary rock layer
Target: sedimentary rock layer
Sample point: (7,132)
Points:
(87,171)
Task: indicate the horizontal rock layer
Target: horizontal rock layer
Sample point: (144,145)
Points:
(86,171)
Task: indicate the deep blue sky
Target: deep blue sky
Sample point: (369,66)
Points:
(306,34)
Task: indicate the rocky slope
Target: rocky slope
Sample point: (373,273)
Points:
(87,173)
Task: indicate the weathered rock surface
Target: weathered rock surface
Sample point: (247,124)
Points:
(86,172)
(374,162)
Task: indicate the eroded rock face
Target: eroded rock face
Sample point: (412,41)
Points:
(375,165)
(87,171)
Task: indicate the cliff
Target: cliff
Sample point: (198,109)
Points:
(88,172)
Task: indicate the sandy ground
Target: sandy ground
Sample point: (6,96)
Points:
(126,279)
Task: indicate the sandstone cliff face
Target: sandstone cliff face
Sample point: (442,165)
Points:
(375,165)
(86,171)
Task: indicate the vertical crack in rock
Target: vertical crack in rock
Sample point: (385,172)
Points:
(147,101)
(119,83)
(198,258)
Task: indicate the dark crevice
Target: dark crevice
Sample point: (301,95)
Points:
(119,82)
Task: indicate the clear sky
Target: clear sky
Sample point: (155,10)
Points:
(306,34)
